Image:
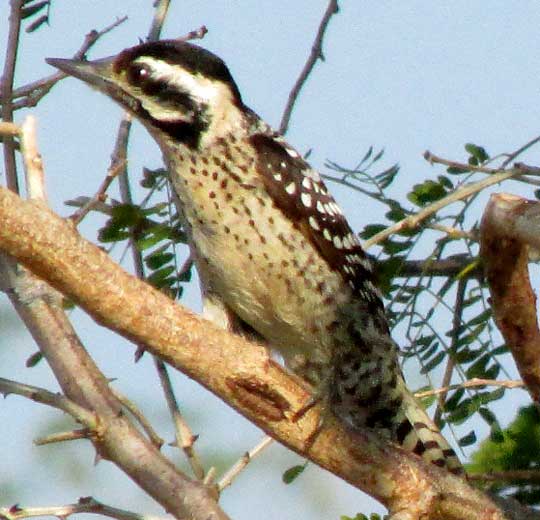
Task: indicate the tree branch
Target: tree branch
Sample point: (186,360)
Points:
(85,505)
(509,226)
(316,53)
(239,372)
(465,191)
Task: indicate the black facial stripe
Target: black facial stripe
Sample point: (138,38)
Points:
(139,75)
(187,133)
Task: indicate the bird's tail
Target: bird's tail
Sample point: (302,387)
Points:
(417,433)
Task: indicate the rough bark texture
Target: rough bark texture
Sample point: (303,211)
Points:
(237,371)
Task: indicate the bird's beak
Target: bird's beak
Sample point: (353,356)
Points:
(96,73)
(99,74)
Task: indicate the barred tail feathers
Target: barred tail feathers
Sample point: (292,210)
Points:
(417,433)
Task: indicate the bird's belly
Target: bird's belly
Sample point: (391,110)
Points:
(275,281)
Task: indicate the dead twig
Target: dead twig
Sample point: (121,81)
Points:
(33,92)
(470,384)
(235,470)
(85,505)
(101,194)
(316,54)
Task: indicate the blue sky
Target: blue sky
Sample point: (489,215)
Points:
(404,76)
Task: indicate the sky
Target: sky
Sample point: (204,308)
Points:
(403,76)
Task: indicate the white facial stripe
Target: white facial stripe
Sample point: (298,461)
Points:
(223,114)
(205,90)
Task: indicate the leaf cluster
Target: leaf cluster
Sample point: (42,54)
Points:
(155,230)
(422,305)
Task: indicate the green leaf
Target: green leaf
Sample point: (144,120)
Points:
(154,235)
(186,275)
(367,156)
(426,193)
(158,278)
(396,214)
(468,439)
(126,215)
(371,230)
(478,368)
(155,261)
(293,473)
(477,152)
(454,170)
(452,402)
(498,351)
(483,317)
(111,233)
(393,247)
(386,177)
(378,156)
(34,359)
(433,363)
(445,182)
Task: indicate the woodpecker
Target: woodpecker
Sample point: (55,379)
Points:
(268,239)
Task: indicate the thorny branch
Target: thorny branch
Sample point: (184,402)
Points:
(237,371)
(316,54)
(465,191)
(35,91)
(84,505)
(6,95)
(114,436)
(235,470)
(185,439)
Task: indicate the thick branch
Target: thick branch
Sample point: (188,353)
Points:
(509,225)
(239,372)
(113,435)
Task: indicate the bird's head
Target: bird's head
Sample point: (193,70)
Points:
(172,87)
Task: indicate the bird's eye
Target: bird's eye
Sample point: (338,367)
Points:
(137,74)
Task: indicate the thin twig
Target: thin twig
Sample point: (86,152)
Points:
(465,191)
(435,159)
(184,436)
(449,370)
(471,383)
(235,470)
(33,165)
(100,195)
(85,505)
(161,8)
(40,395)
(519,151)
(454,232)
(197,34)
(72,435)
(8,75)
(35,91)
(316,53)
(156,440)
(459,264)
